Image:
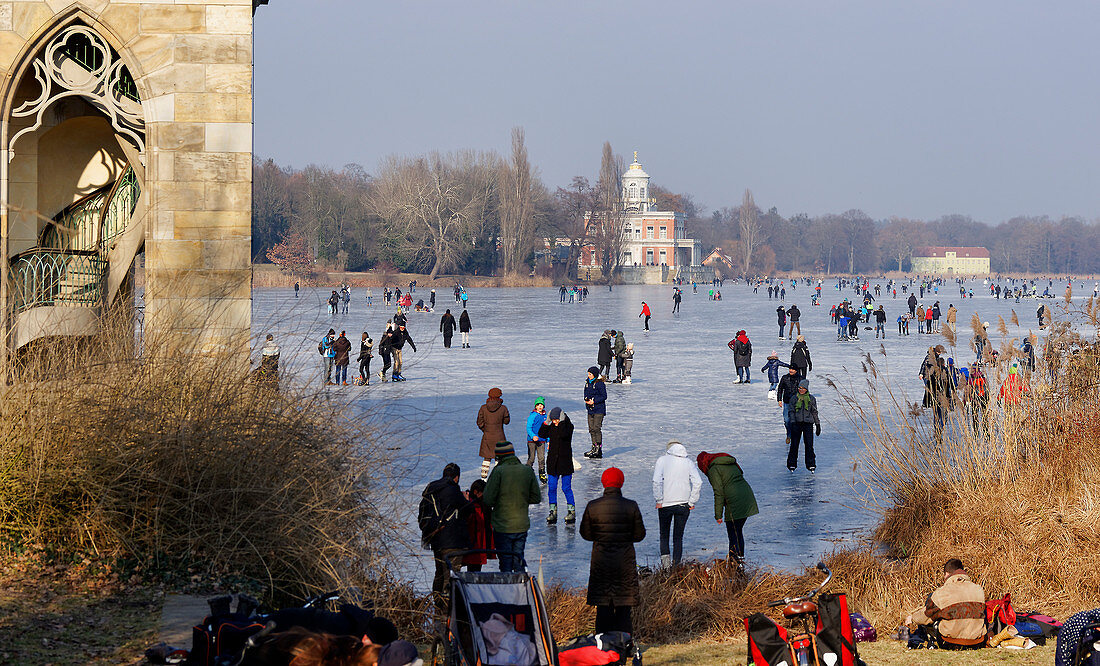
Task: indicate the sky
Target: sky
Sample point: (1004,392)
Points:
(986,108)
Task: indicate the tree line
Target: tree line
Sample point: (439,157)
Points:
(471,212)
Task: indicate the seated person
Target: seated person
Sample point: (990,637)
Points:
(954,614)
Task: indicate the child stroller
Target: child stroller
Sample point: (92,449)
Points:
(494,618)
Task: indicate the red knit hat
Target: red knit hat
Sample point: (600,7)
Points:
(612,478)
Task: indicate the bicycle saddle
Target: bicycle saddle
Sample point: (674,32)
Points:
(799,608)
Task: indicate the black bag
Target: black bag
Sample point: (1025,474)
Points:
(220,636)
(611,648)
(1085,653)
(767,641)
(431,520)
(834,629)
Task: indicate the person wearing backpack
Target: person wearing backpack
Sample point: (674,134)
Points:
(742,356)
(442,518)
(954,614)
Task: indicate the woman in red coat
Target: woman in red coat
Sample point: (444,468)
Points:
(480,528)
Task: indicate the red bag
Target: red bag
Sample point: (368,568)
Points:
(999,614)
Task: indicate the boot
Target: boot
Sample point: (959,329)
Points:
(597,452)
(484,469)
(570,514)
(552,518)
(590,452)
(542,477)
(627,380)
(666,561)
(220,605)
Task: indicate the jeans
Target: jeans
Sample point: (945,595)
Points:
(787,417)
(880,328)
(782,327)
(566,489)
(674,517)
(734,531)
(510,550)
(613,618)
(595,429)
(397,362)
(341,374)
(385,362)
(538,448)
(804,431)
(605,369)
(743,374)
(326,364)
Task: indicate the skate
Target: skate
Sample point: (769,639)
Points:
(666,561)
(552,518)
(597,453)
(570,514)
(485,464)
(627,381)
(590,453)
(542,477)
(737,380)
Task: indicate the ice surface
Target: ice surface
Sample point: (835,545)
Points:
(529,344)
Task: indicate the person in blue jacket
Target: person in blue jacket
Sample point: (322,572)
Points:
(536,446)
(772,368)
(595,401)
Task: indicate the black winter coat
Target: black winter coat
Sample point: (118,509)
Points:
(464,323)
(613,524)
(787,390)
(794,313)
(604,356)
(782,314)
(559,452)
(800,356)
(447,325)
(454,507)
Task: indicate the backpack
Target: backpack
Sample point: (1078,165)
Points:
(431,520)
(834,630)
(999,614)
(606,649)
(321,347)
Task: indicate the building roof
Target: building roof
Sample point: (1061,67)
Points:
(960,252)
(635,170)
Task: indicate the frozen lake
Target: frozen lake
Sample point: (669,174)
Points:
(528,344)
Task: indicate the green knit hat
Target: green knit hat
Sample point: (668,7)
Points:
(540,401)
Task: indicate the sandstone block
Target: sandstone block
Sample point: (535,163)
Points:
(223,167)
(228,196)
(213,225)
(229,19)
(152,52)
(175,254)
(179,196)
(228,254)
(180,136)
(29,17)
(178,78)
(231,49)
(229,137)
(159,109)
(221,78)
(208,107)
(5,16)
(170,19)
(124,20)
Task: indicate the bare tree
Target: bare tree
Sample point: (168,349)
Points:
(605,223)
(573,206)
(521,194)
(438,201)
(751,232)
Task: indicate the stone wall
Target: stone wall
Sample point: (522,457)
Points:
(192,62)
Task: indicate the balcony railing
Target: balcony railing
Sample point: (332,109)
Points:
(47,277)
(120,207)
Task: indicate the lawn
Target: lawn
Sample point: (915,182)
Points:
(880,653)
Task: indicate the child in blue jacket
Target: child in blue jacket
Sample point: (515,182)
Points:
(772,368)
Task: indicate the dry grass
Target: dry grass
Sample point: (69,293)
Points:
(181,464)
(879,653)
(269,275)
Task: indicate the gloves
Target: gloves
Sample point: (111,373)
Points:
(817,429)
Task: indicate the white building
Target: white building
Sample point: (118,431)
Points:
(651,238)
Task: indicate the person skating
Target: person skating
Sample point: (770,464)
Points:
(447,327)
(442,521)
(772,368)
(618,348)
(557,429)
(341,352)
(366,347)
(785,394)
(385,350)
(613,524)
(676,488)
(628,362)
(510,489)
(400,337)
(604,355)
(734,501)
(742,356)
(804,425)
(794,314)
(781,314)
(800,357)
(333,302)
(328,355)
(676,298)
(464,327)
(595,401)
(645,313)
(880,322)
(491,419)
(536,445)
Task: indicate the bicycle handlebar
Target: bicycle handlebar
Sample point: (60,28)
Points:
(809,595)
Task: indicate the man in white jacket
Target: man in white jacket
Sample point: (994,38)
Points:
(676,486)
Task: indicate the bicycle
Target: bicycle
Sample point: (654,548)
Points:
(801,614)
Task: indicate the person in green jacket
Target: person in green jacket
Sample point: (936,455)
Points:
(510,488)
(733,497)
